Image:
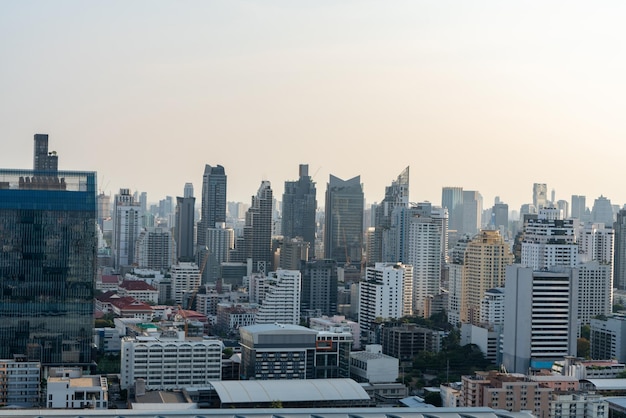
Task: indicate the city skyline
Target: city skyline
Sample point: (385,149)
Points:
(491,98)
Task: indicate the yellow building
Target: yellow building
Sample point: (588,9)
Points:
(484,268)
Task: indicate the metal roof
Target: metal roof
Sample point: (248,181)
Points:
(260,391)
(608,384)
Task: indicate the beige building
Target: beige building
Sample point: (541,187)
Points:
(511,392)
(484,268)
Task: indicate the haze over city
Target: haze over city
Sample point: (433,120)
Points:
(490,96)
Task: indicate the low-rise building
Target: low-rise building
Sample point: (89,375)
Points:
(373,366)
(404,341)
(168,360)
(78,392)
(20,382)
(139,290)
(578,404)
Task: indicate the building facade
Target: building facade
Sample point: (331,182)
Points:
(299,207)
(213,208)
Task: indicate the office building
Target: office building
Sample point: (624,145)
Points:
(486,258)
(281,298)
(405,341)
(299,206)
(343,232)
(185,226)
(579,207)
(126,228)
(293,252)
(319,287)
(426,250)
(277,351)
(540,195)
(257,231)
(602,211)
(619,258)
(472,212)
(154,249)
(385,294)
(608,338)
(220,242)
(44,160)
(166,360)
(396,196)
(500,216)
(452,199)
(540,320)
(213,208)
(332,354)
(49,241)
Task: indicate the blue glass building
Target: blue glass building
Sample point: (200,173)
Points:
(48,244)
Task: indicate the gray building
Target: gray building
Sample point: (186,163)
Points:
(343,232)
(619,260)
(299,206)
(608,338)
(213,208)
(185,225)
(319,287)
(257,232)
(43,160)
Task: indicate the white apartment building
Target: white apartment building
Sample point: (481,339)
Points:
(170,361)
(139,290)
(595,242)
(338,323)
(427,246)
(492,306)
(126,227)
(549,241)
(386,293)
(185,279)
(77,392)
(281,303)
(595,290)
(155,249)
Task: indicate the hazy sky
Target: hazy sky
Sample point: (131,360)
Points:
(489,95)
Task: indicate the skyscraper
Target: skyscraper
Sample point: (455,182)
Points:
(382,237)
(579,207)
(185,212)
(486,257)
(319,286)
(452,199)
(619,263)
(472,211)
(42,159)
(540,317)
(540,195)
(299,206)
(427,246)
(257,231)
(48,265)
(126,228)
(343,232)
(213,200)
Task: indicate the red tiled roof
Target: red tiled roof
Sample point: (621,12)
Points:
(110,279)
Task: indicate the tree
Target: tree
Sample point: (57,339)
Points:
(583,347)
(433,398)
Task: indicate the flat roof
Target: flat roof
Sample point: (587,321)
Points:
(608,384)
(259,391)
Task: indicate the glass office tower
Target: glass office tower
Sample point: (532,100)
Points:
(48,246)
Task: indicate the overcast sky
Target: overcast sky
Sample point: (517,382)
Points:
(488,95)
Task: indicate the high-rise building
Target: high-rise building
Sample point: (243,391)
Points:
(602,212)
(257,231)
(595,290)
(619,260)
(185,223)
(293,252)
(385,294)
(185,281)
(299,206)
(48,265)
(343,232)
(579,207)
(472,211)
(126,228)
(42,159)
(427,246)
(452,199)
(281,302)
(549,241)
(540,195)
(154,249)
(500,216)
(381,237)
(219,244)
(540,319)
(213,208)
(319,287)
(486,258)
